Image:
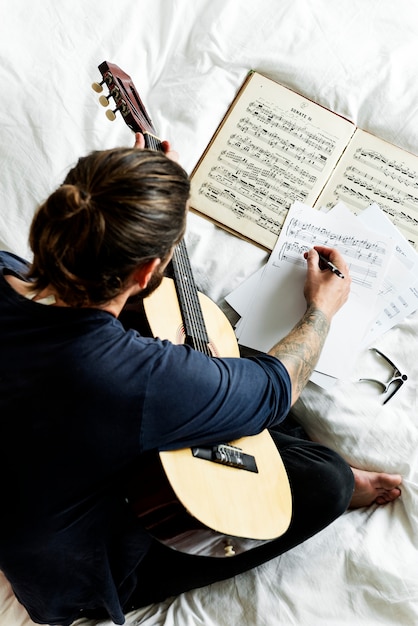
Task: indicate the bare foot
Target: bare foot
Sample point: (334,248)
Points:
(374,487)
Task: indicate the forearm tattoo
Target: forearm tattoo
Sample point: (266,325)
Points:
(299,351)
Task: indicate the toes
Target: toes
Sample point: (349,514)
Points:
(388,496)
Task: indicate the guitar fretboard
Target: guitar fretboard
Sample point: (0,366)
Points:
(195,331)
(187,294)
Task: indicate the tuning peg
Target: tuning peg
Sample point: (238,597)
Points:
(104,101)
(111,115)
(97,87)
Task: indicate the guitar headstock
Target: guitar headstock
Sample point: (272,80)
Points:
(127,101)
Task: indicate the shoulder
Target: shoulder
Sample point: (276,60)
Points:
(11,261)
(9,258)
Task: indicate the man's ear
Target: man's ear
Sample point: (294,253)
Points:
(142,275)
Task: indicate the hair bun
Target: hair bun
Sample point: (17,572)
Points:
(69,199)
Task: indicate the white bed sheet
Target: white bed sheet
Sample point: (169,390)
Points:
(187,60)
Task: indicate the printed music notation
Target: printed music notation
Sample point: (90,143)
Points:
(366,176)
(264,113)
(300,148)
(240,208)
(275,147)
(261,173)
(269,152)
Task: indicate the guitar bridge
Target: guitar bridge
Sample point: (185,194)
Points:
(225,454)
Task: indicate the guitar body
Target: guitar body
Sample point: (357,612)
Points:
(195,505)
(199,507)
(165,319)
(214,501)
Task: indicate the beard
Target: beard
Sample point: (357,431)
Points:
(153,284)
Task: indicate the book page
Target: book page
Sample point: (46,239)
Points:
(375,171)
(274,147)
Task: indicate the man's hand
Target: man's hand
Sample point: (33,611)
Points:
(325,294)
(140,143)
(324,289)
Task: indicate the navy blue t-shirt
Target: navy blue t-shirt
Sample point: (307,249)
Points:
(81,399)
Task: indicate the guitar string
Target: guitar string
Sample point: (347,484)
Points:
(190,296)
(195,318)
(192,304)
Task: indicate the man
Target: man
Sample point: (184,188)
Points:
(83,399)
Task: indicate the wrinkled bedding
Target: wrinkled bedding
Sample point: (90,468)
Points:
(188,59)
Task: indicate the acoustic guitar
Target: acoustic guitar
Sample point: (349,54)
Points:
(212,501)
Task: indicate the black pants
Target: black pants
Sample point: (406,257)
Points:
(322,486)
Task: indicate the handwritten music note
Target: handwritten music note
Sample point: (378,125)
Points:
(277,302)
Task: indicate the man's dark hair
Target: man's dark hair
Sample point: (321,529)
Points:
(116,210)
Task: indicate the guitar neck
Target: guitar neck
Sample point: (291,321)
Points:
(194,324)
(132,109)
(188,297)
(152,142)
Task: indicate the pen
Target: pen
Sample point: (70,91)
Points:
(331,266)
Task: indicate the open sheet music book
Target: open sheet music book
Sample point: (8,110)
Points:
(275,147)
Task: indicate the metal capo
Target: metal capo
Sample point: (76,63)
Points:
(397,378)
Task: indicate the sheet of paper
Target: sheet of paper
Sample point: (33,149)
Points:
(395,299)
(240,299)
(393,313)
(400,296)
(279,302)
(375,219)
